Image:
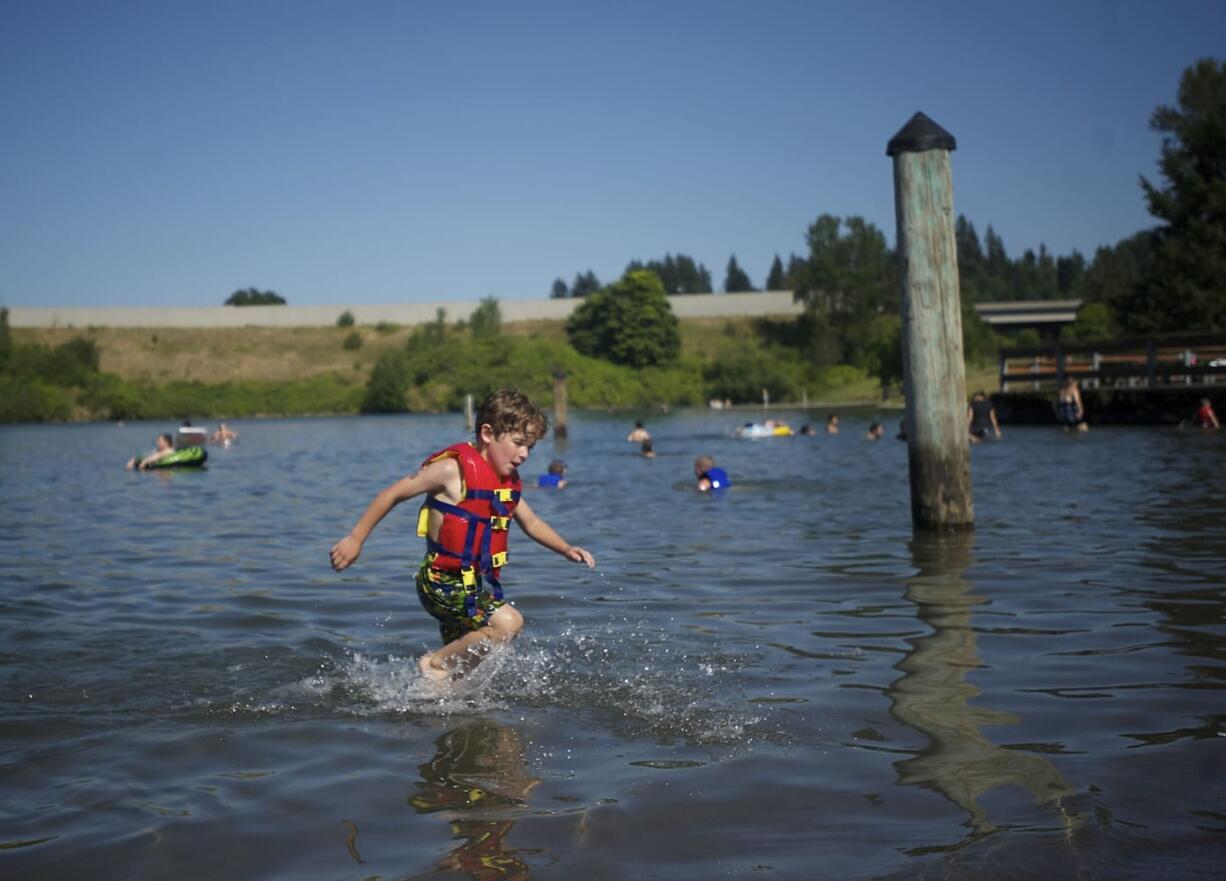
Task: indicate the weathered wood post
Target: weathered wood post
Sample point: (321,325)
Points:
(559,405)
(468,411)
(934,376)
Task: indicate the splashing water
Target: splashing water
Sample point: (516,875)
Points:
(640,683)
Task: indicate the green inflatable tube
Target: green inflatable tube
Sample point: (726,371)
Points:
(188,457)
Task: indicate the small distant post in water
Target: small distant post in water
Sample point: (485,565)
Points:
(468,411)
(934,376)
(559,405)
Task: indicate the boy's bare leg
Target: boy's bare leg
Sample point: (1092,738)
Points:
(504,625)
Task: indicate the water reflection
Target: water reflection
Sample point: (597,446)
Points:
(932,694)
(478,783)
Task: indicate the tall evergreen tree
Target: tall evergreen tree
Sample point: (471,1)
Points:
(775,280)
(679,275)
(971,267)
(1069,272)
(1047,283)
(998,270)
(559,290)
(585,284)
(735,279)
(6,339)
(1185,289)
(1118,271)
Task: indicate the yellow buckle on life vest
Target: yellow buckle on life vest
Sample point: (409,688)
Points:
(469,576)
(503,494)
(423,522)
(498,560)
(500,524)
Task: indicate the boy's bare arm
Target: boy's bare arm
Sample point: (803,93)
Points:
(441,477)
(544,535)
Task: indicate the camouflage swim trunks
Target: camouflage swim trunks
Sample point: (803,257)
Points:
(457,609)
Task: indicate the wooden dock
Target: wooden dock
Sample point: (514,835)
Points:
(1143,380)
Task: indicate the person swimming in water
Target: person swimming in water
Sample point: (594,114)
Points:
(555,477)
(709,477)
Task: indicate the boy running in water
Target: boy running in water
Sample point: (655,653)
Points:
(472,493)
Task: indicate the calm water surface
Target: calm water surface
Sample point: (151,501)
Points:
(781,682)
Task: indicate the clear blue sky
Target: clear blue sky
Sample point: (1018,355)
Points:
(172,152)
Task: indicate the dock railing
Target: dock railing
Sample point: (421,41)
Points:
(1187,360)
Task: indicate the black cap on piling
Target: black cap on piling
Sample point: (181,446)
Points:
(920,134)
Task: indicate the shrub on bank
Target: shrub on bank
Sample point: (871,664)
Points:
(26,400)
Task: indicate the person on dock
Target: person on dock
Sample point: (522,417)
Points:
(981,416)
(164,445)
(1205,417)
(473,492)
(1069,407)
(709,477)
(555,477)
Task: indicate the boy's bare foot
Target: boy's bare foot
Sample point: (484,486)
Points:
(428,670)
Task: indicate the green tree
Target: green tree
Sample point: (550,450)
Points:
(775,278)
(630,323)
(972,269)
(1117,273)
(679,275)
(559,290)
(385,390)
(850,276)
(585,284)
(345,319)
(6,339)
(1094,322)
(880,347)
(794,275)
(486,320)
(735,278)
(1183,289)
(1069,272)
(847,281)
(254,297)
(997,268)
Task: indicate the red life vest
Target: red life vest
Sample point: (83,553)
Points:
(473,535)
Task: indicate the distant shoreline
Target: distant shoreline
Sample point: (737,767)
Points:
(404,314)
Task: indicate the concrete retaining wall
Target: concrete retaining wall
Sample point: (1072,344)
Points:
(690,306)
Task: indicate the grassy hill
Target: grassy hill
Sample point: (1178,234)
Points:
(154,372)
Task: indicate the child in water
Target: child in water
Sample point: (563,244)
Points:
(1205,417)
(709,477)
(555,477)
(472,493)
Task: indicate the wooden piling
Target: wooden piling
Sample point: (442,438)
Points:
(468,412)
(934,376)
(559,406)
